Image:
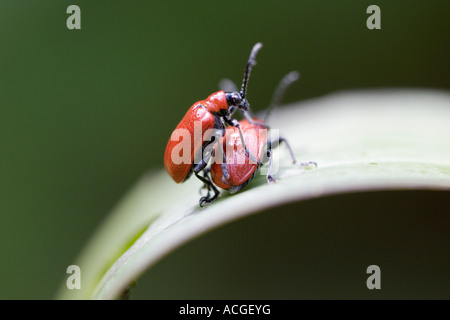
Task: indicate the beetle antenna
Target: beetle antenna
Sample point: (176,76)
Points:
(280,91)
(248,68)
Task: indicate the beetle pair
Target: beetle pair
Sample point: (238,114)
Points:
(213,114)
(239,164)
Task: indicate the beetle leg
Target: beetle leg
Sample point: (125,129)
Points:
(207,151)
(269,172)
(225,174)
(274,144)
(235,123)
(280,140)
(294,161)
(205,185)
(200,166)
(247,152)
(207,199)
(221,153)
(269,155)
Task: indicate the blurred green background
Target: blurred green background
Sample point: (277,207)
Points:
(84,113)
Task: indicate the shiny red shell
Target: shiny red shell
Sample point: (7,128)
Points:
(239,166)
(204,112)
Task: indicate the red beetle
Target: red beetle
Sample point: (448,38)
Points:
(238,163)
(240,167)
(191,143)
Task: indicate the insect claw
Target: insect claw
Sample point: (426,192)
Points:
(203,201)
(307,165)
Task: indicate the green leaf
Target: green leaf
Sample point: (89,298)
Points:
(361,141)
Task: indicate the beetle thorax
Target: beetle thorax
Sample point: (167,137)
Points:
(217,102)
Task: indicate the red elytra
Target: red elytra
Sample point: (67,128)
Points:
(203,112)
(240,166)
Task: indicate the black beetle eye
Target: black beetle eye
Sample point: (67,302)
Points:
(233,98)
